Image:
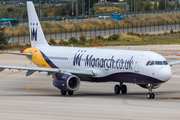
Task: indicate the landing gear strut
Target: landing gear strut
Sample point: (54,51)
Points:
(150,95)
(121,87)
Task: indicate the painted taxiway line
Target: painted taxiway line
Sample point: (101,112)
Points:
(173,98)
(29,88)
(11,73)
(164,50)
(172,58)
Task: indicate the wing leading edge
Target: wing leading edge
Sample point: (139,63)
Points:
(31,70)
(28,54)
(173,62)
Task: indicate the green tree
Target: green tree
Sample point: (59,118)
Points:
(172,6)
(2,36)
(129,3)
(52,41)
(92,2)
(147,5)
(114,37)
(6,14)
(68,8)
(24,14)
(178,5)
(82,38)
(162,4)
(57,10)
(62,42)
(155,5)
(72,40)
(139,5)
(63,11)
(10,9)
(45,14)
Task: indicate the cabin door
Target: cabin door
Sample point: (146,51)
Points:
(137,63)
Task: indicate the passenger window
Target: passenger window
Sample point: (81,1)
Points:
(152,63)
(148,62)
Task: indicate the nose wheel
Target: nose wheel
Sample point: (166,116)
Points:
(120,88)
(150,95)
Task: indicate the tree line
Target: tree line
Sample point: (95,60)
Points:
(141,5)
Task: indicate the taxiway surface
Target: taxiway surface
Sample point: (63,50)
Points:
(35,97)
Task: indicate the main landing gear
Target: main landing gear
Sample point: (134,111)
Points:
(69,92)
(150,95)
(121,87)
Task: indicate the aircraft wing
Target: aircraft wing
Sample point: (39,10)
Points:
(31,70)
(29,54)
(173,62)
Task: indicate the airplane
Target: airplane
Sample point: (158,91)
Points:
(71,65)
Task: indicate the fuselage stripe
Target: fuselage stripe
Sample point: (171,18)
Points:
(49,62)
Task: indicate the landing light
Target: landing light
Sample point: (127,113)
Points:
(149,85)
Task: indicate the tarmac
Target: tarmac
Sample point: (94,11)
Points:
(35,97)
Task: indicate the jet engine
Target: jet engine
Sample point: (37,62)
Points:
(154,86)
(67,82)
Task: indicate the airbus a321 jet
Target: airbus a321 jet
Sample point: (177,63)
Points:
(71,65)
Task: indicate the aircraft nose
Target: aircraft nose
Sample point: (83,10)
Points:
(165,73)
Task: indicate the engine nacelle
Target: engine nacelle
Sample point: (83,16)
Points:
(154,86)
(67,82)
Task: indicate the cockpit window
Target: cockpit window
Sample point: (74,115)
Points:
(165,62)
(158,63)
(152,63)
(148,62)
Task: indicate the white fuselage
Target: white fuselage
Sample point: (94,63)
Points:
(110,65)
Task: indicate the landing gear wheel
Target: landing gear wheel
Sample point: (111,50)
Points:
(123,89)
(63,92)
(116,89)
(149,96)
(152,95)
(70,93)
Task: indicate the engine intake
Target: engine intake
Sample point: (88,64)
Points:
(67,82)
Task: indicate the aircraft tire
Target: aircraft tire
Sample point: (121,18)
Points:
(123,89)
(63,92)
(148,96)
(70,93)
(116,89)
(152,95)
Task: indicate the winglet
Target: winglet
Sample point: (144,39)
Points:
(36,34)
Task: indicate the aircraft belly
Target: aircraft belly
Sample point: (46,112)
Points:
(127,77)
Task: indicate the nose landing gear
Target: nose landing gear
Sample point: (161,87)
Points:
(121,87)
(150,95)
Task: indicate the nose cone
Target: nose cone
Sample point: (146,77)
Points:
(165,73)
